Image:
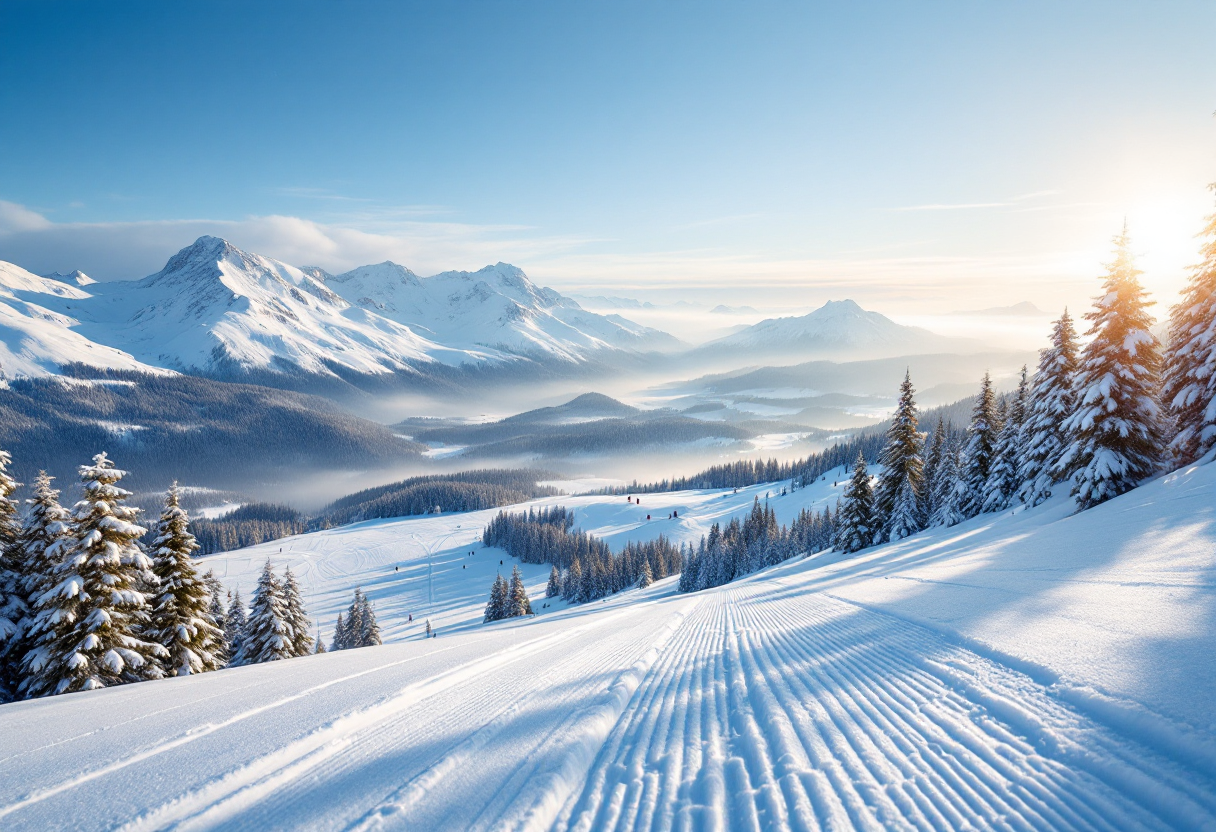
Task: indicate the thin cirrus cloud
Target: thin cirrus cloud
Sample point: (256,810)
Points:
(1012,202)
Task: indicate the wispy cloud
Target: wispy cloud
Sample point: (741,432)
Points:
(1011,202)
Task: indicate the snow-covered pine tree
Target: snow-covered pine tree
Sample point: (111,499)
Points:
(340,636)
(896,499)
(855,527)
(646,578)
(179,620)
(1002,483)
(14,608)
(497,602)
(428,628)
(89,623)
(1052,400)
(46,522)
(1189,384)
(950,489)
(554,587)
(572,586)
(1116,431)
(933,464)
(518,602)
(267,636)
(235,622)
(297,618)
(218,616)
(980,452)
(369,633)
(320,648)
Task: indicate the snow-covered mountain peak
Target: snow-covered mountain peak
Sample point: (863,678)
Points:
(840,326)
(76,278)
(387,273)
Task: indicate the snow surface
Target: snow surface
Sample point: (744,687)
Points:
(1030,670)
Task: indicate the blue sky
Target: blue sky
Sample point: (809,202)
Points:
(911,155)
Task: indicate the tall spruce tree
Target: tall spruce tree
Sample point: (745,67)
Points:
(497,604)
(369,633)
(554,587)
(897,497)
(340,634)
(1052,401)
(646,577)
(297,619)
(14,606)
(235,622)
(518,602)
(980,453)
(1189,383)
(855,523)
(933,464)
(45,523)
(180,620)
(1116,431)
(89,624)
(950,489)
(267,635)
(1002,484)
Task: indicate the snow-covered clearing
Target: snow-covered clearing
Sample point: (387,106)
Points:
(1025,671)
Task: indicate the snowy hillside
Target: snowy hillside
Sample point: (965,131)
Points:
(216,309)
(35,339)
(836,328)
(1029,671)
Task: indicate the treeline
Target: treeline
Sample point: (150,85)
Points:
(248,525)
(757,542)
(84,604)
(746,472)
(464,491)
(586,567)
(1095,421)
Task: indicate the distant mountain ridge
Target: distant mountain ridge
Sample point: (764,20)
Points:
(837,328)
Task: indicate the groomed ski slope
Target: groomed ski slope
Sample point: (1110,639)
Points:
(1027,671)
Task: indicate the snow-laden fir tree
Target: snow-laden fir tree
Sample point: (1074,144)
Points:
(13,603)
(1115,433)
(1189,383)
(235,621)
(855,526)
(180,620)
(369,632)
(980,453)
(497,605)
(88,627)
(518,602)
(646,578)
(217,614)
(297,619)
(267,635)
(897,496)
(933,464)
(341,634)
(1052,400)
(554,587)
(950,489)
(45,523)
(1002,484)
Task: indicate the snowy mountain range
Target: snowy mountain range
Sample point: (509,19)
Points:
(216,310)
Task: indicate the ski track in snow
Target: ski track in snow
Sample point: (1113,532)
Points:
(806,697)
(754,706)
